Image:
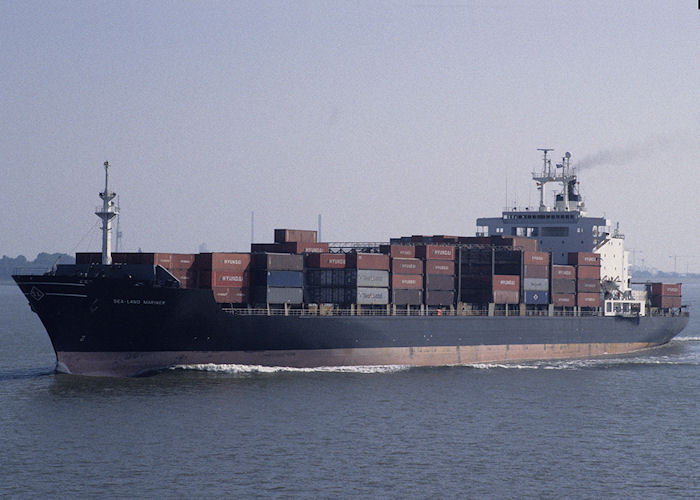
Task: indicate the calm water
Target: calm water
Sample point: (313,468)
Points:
(627,427)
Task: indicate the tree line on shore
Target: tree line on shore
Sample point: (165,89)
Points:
(44,261)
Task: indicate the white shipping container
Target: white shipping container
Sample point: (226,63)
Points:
(536,284)
(368,296)
(372,278)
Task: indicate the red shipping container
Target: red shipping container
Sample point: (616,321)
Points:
(439,297)
(287,235)
(520,242)
(298,247)
(326,260)
(407,297)
(437,252)
(211,279)
(584,259)
(439,282)
(564,299)
(563,286)
(588,285)
(532,271)
(440,267)
(535,259)
(588,299)
(153,259)
(506,297)
(588,272)
(186,277)
(565,272)
(376,261)
(506,282)
(398,251)
(668,289)
(222,261)
(182,260)
(230,295)
(278,261)
(665,301)
(406,266)
(407,281)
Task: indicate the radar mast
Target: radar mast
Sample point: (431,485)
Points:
(563,173)
(543,177)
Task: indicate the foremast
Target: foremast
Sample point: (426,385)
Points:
(107,212)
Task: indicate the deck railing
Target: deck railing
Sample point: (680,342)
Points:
(390,312)
(432,313)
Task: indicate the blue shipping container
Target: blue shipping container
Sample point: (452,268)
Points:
(287,279)
(536,297)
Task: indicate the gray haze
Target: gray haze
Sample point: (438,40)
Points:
(388,118)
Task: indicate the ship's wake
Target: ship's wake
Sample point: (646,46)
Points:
(259,369)
(690,359)
(640,361)
(25,373)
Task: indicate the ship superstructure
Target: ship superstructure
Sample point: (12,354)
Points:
(559,228)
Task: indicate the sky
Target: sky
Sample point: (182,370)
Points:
(387,118)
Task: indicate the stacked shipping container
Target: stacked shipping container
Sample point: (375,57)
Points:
(296,241)
(369,277)
(325,280)
(278,278)
(506,289)
(563,286)
(439,273)
(406,275)
(293,235)
(535,278)
(587,266)
(475,268)
(278,268)
(226,274)
(184,269)
(347,279)
(421,270)
(482,270)
(665,295)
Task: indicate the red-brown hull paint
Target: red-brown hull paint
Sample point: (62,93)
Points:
(137,363)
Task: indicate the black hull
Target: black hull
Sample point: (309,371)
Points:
(111,327)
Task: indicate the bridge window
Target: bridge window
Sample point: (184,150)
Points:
(530,232)
(555,231)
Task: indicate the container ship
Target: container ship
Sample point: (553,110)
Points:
(541,283)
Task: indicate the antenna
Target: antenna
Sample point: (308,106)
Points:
(547,161)
(319,228)
(252,226)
